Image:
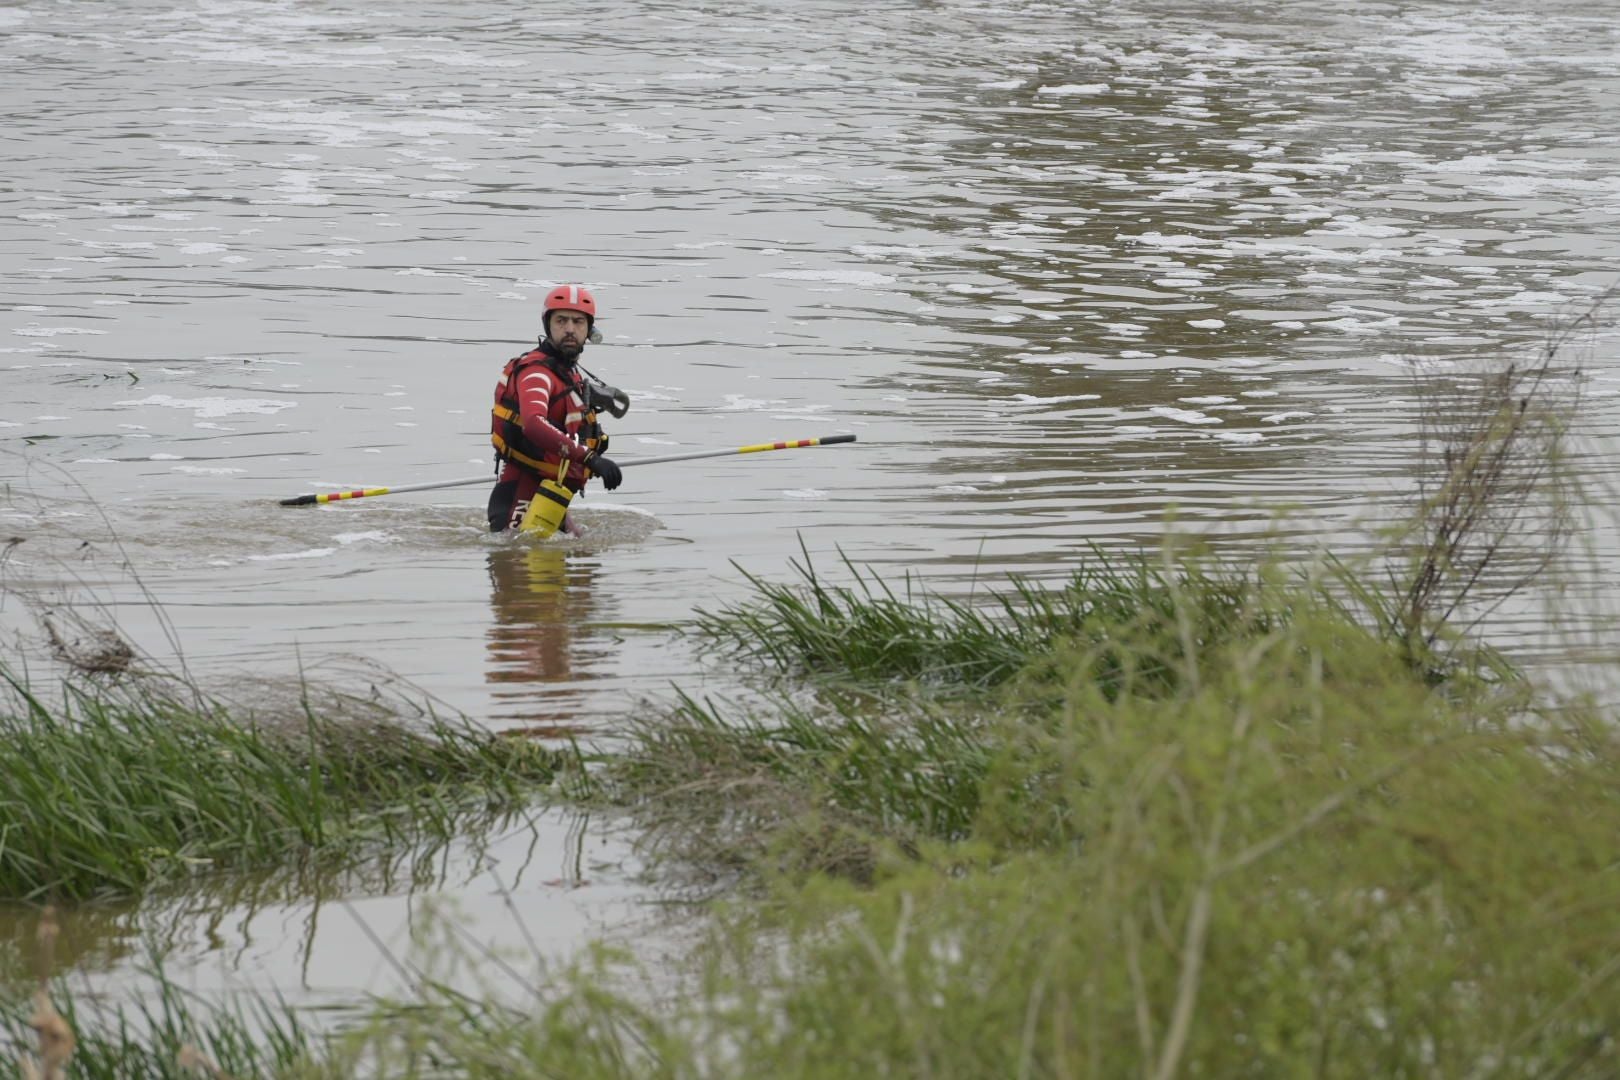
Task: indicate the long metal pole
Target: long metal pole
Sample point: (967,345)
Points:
(365,493)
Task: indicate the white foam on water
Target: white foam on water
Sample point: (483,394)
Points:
(1447,48)
(1239,436)
(145,226)
(956,489)
(1258,393)
(1350,225)
(1075,90)
(804,493)
(1207,324)
(188,151)
(49,419)
(203,249)
(1529,298)
(166,457)
(838,277)
(54,331)
(1212,400)
(206,470)
(212,407)
(87,460)
(740,403)
(1282,417)
(373,535)
(903,251)
(1185,416)
(1172,242)
(311,553)
(1031,399)
(1361,326)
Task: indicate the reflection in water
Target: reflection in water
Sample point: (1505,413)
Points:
(230,912)
(539,600)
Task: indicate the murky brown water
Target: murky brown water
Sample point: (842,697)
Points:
(1060,268)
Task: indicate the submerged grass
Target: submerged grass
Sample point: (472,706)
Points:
(110,789)
(173,1036)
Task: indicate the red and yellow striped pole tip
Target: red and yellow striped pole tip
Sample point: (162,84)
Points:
(357,493)
(795,444)
(333,496)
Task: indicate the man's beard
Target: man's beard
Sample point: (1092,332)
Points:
(568,350)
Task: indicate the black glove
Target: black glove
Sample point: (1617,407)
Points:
(612,476)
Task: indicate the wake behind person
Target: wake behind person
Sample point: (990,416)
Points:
(547,440)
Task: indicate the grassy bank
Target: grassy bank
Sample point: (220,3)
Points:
(111,788)
(1230,828)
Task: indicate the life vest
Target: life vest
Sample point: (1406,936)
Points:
(506,418)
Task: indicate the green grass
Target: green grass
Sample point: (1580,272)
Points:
(113,790)
(870,631)
(1209,825)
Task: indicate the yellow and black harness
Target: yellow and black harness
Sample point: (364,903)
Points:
(506,419)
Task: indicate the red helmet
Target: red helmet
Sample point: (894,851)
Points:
(569,298)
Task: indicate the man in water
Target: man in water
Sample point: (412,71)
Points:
(544,426)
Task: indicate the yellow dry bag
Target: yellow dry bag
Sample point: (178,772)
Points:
(549,506)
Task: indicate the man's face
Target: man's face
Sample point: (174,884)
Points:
(568,330)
